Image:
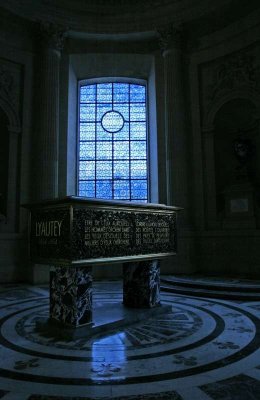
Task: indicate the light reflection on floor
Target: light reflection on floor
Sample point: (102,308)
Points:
(107,360)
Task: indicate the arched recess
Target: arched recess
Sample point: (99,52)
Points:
(213,207)
(214,107)
(9,168)
(13,117)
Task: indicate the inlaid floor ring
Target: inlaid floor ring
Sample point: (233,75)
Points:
(200,342)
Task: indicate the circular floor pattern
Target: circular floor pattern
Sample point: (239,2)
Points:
(199,342)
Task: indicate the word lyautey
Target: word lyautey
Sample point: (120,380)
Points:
(48,228)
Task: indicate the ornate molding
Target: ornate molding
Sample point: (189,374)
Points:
(6,82)
(10,94)
(214,105)
(113,6)
(170,37)
(52,35)
(234,73)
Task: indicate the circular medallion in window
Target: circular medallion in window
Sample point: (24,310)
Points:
(112,121)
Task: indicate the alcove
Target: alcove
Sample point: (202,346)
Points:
(235,120)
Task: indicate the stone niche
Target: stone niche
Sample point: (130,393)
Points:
(237,164)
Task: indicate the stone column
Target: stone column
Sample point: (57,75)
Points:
(44,185)
(141,284)
(46,135)
(171,42)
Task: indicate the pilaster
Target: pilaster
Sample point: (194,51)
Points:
(50,43)
(172,42)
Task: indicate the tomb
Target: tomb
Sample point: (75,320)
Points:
(73,233)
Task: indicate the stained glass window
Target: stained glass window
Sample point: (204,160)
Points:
(112,162)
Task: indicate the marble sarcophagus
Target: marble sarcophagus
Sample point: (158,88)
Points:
(74,233)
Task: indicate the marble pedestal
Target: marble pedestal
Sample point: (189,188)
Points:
(71,295)
(71,292)
(141,284)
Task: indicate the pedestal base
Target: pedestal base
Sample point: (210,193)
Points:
(141,284)
(71,295)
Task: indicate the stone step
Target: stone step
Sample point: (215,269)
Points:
(211,293)
(216,284)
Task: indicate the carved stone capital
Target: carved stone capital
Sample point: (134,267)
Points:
(52,35)
(170,37)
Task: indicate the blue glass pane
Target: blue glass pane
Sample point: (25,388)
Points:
(139,189)
(87,131)
(121,190)
(104,151)
(120,92)
(87,189)
(138,149)
(112,121)
(87,151)
(121,170)
(102,109)
(137,112)
(104,170)
(138,169)
(104,92)
(138,130)
(88,94)
(121,150)
(137,93)
(122,109)
(86,170)
(87,112)
(104,189)
(102,134)
(123,134)
(139,200)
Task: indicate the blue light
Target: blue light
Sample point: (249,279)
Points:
(112,141)
(112,121)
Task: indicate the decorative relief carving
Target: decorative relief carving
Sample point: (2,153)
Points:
(235,72)
(228,78)
(10,92)
(6,82)
(170,37)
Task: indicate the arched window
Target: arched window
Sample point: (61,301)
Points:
(112,145)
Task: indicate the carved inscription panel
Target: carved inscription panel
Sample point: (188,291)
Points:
(50,233)
(107,233)
(61,236)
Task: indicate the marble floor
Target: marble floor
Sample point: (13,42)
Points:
(203,349)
